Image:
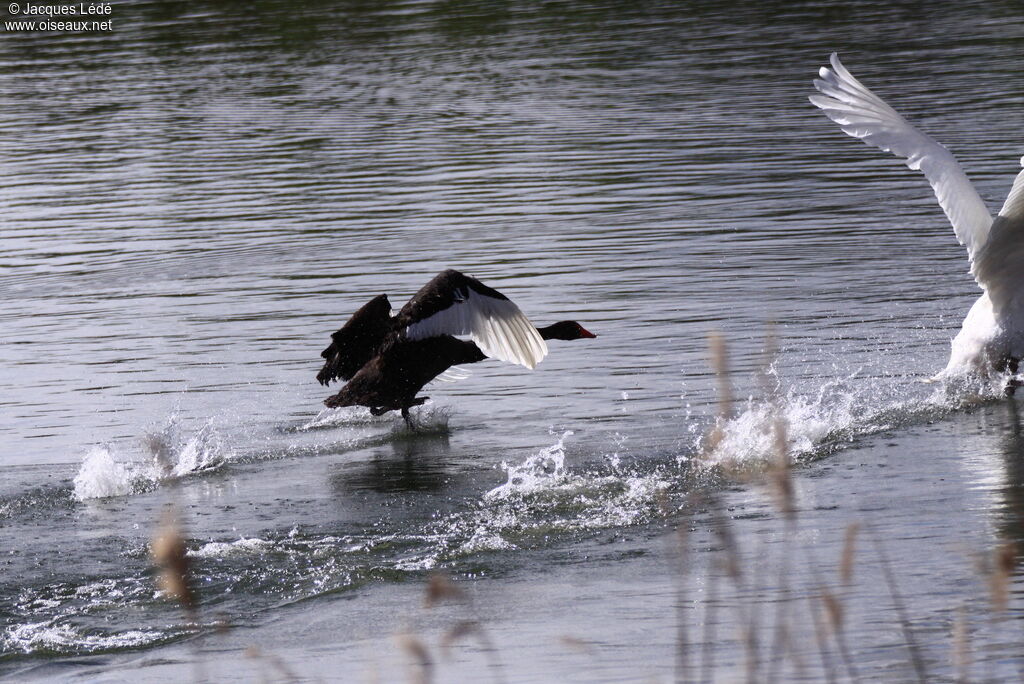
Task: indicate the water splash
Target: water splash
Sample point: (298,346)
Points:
(842,410)
(101,475)
(57,636)
(537,472)
(244,546)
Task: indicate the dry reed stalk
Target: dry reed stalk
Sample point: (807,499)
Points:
(780,467)
(707,656)
(836,616)
(819,638)
(961,647)
(916,661)
(833,609)
(1004,559)
(832,605)
(733,569)
(780,472)
(846,561)
(780,484)
(457,631)
(723,531)
(751,643)
(423,672)
(441,588)
(720,365)
(799,668)
(720,522)
(170,555)
(849,551)
(275,663)
(682,659)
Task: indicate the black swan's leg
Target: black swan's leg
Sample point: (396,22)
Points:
(1013,365)
(405,411)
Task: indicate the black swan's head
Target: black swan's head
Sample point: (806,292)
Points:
(565,330)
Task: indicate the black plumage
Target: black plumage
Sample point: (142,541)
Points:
(388,359)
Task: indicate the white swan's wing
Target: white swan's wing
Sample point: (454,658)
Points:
(999,266)
(864,115)
(1013,207)
(456,304)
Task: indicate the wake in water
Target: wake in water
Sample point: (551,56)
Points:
(430,418)
(545,499)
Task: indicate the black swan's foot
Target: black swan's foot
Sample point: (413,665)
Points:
(405,412)
(1011,366)
(379,410)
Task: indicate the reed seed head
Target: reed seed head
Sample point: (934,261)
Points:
(170,555)
(440,588)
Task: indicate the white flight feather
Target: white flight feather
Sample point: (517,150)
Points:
(994,327)
(497,326)
(862,114)
(1013,207)
(999,266)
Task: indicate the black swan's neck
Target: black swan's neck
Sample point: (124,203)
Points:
(564,330)
(548,332)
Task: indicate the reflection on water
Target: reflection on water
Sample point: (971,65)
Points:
(1010,510)
(195,200)
(417,463)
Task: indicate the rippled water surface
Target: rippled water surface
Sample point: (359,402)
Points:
(193,201)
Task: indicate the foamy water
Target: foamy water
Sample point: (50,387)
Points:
(107,473)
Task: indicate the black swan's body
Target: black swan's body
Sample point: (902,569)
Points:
(388,359)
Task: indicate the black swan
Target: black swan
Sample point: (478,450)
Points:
(388,359)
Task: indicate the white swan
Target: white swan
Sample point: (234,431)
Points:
(992,337)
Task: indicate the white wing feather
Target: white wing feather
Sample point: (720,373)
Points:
(864,115)
(1013,207)
(1000,264)
(497,326)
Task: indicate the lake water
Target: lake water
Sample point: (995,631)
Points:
(194,200)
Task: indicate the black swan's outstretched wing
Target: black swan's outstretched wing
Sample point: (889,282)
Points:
(456,304)
(357,342)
